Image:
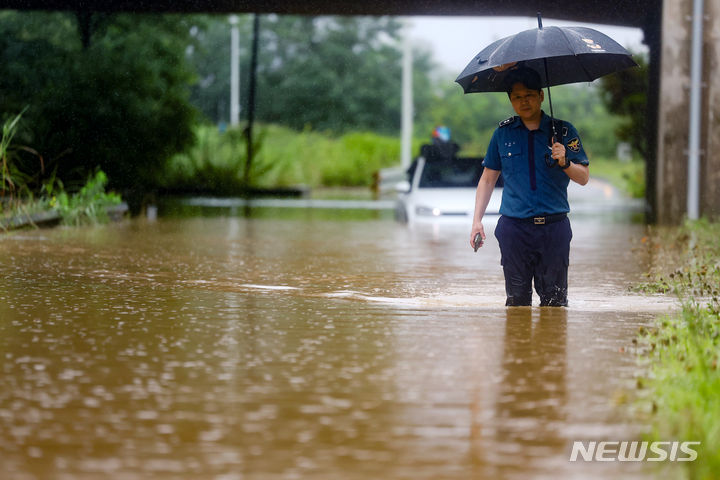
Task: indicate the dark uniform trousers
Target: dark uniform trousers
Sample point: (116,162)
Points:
(534,252)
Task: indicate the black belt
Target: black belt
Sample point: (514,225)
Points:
(542,219)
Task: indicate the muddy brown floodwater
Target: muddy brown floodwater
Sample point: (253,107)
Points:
(309,345)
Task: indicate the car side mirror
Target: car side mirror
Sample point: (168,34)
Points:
(402,187)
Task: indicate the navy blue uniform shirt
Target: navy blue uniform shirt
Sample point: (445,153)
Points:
(532,188)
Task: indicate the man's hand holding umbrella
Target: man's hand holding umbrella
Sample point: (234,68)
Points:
(558,153)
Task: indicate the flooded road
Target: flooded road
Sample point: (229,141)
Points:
(309,345)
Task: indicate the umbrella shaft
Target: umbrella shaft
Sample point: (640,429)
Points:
(547,79)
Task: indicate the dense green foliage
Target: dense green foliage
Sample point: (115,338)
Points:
(123,98)
(120,102)
(331,69)
(625,95)
(323,73)
(305,82)
(628,176)
(18,202)
(16,195)
(684,379)
(285,158)
(343,74)
(89,205)
(9,182)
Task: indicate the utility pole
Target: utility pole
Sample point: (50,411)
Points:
(251,98)
(406,124)
(234,71)
(695,123)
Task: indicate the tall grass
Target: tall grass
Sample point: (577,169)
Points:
(216,162)
(15,195)
(89,205)
(683,349)
(629,176)
(284,157)
(11,179)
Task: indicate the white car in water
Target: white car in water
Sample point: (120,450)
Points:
(443,191)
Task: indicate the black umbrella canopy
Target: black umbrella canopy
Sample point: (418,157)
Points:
(570,54)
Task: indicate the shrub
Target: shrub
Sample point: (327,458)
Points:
(284,157)
(87,206)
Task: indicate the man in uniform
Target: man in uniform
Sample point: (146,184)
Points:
(537,163)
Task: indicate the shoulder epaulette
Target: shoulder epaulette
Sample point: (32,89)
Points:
(507,121)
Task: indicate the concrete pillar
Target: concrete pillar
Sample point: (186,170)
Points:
(653,39)
(710,143)
(673,112)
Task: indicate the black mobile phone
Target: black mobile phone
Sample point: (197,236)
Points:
(477,241)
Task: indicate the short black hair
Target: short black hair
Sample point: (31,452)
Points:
(527,76)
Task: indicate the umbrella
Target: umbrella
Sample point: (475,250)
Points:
(561,55)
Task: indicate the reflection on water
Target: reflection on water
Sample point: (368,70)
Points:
(529,408)
(223,347)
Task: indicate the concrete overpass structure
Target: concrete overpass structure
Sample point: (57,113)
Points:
(667,27)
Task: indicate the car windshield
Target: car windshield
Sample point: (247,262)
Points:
(458,172)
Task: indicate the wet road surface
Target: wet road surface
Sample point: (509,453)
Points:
(309,345)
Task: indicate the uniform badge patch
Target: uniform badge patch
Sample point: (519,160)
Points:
(507,121)
(574,144)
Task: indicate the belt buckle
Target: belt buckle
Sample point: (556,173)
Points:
(539,220)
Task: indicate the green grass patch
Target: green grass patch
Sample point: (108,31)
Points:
(284,157)
(19,202)
(89,205)
(628,177)
(682,348)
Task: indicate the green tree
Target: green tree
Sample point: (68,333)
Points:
(209,56)
(625,94)
(119,102)
(330,73)
(471,118)
(325,73)
(582,105)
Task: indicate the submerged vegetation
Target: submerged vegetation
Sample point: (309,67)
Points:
(13,182)
(683,348)
(19,205)
(89,205)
